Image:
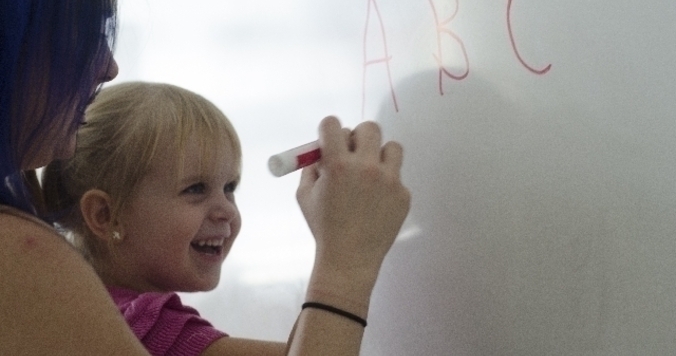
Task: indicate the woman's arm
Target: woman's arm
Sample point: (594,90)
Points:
(51,301)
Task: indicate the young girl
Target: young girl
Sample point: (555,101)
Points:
(149,200)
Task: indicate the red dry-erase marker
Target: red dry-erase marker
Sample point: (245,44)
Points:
(294,159)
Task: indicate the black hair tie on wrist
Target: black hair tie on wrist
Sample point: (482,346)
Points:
(335,311)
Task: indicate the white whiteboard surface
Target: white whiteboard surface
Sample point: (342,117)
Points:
(544,217)
(541,161)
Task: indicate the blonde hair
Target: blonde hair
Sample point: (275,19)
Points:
(127,126)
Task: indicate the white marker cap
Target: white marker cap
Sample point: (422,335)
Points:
(294,159)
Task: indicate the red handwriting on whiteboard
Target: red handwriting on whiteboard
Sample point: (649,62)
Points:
(442,32)
(516,51)
(385,59)
(441,27)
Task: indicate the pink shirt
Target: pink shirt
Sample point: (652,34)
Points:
(163,324)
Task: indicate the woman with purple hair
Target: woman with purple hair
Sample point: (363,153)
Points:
(54,56)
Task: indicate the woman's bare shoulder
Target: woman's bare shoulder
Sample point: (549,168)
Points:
(23,240)
(51,299)
(29,248)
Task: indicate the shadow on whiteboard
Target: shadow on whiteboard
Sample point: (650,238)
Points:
(524,214)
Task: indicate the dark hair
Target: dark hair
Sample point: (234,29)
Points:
(52,52)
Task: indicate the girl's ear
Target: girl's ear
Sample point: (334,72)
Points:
(96,208)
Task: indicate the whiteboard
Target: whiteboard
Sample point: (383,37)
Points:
(539,142)
(540,154)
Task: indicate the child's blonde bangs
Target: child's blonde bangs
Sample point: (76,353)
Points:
(195,117)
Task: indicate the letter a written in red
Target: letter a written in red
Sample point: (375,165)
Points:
(384,60)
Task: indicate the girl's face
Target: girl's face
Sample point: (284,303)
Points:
(178,229)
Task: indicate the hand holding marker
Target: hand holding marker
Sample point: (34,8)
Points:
(294,159)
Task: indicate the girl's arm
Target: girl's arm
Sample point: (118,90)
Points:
(51,301)
(244,347)
(355,204)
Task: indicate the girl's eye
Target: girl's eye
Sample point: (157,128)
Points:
(197,188)
(230,187)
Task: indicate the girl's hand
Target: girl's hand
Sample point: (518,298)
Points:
(353,200)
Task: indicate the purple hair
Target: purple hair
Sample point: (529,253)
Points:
(51,52)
